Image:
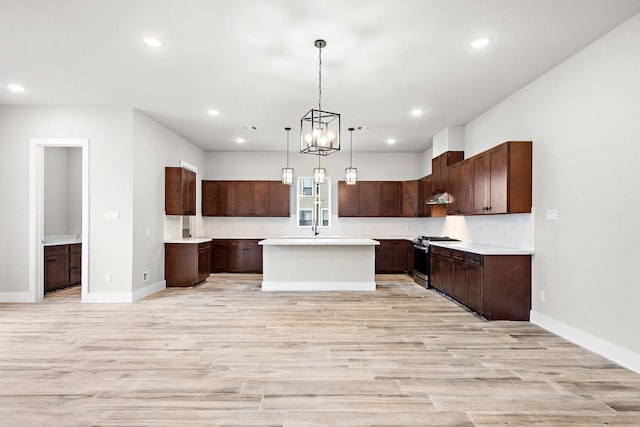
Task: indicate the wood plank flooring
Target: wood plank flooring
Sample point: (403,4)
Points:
(226,353)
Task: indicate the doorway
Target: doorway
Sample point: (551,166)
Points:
(37,212)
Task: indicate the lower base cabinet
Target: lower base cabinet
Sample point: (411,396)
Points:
(236,256)
(498,287)
(62,266)
(394,256)
(186,264)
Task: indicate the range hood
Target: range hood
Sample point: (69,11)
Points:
(440,197)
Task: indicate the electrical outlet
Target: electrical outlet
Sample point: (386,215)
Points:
(541,296)
(145,276)
(147,231)
(112,215)
(107,278)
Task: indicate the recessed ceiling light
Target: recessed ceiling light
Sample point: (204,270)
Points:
(14,87)
(480,42)
(240,140)
(417,112)
(214,112)
(391,141)
(152,41)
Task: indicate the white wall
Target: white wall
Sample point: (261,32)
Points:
(62,190)
(109,134)
(583,119)
(155,147)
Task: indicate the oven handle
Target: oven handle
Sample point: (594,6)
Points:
(421,248)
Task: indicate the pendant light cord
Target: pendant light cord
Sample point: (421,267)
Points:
(320,79)
(351,150)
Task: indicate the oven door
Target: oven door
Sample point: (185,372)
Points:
(421,265)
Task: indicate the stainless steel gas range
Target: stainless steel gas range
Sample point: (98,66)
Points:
(421,261)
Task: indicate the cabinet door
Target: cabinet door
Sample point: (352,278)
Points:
(369,198)
(453,187)
(446,272)
(348,199)
(481,183)
(218,198)
(498,179)
(279,199)
(391,198)
(436,173)
(410,198)
(253,257)
(219,256)
(384,256)
(465,201)
(473,264)
(236,255)
(260,198)
(56,272)
(459,279)
(204,261)
(188,192)
(435,268)
(424,191)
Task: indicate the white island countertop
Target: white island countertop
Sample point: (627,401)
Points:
(189,240)
(482,249)
(318,241)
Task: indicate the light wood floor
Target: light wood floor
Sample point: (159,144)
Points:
(226,353)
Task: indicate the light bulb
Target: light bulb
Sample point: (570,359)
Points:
(316,133)
(331,136)
(323,141)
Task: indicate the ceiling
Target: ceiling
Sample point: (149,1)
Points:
(255,61)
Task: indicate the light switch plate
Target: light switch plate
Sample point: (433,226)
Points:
(112,215)
(551,215)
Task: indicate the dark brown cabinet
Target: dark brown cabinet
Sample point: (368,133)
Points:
(348,199)
(370,199)
(425,189)
(252,198)
(502,179)
(186,264)
(453,187)
(179,191)
(218,198)
(496,286)
(410,198)
(279,196)
(236,256)
(465,192)
(62,266)
(394,256)
(439,169)
(245,198)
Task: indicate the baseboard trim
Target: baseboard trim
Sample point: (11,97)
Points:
(16,297)
(613,352)
(149,290)
(107,297)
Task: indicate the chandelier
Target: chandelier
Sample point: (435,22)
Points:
(287,173)
(351,173)
(320,130)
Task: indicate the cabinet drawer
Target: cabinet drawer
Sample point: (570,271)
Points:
(56,250)
(204,247)
(76,248)
(474,259)
(457,255)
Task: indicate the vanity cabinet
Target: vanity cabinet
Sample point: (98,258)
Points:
(62,266)
(245,198)
(186,264)
(236,256)
(498,287)
(179,191)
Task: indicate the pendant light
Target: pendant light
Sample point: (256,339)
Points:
(351,173)
(319,173)
(287,173)
(320,130)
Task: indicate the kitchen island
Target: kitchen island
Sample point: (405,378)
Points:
(318,264)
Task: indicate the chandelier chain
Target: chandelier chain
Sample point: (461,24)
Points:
(320,80)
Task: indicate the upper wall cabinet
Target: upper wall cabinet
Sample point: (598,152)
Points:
(179,191)
(439,169)
(245,198)
(502,179)
(377,199)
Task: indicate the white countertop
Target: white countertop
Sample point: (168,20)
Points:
(482,249)
(61,239)
(189,240)
(318,241)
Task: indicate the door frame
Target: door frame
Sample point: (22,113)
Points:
(36,213)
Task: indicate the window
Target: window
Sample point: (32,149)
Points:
(314,203)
